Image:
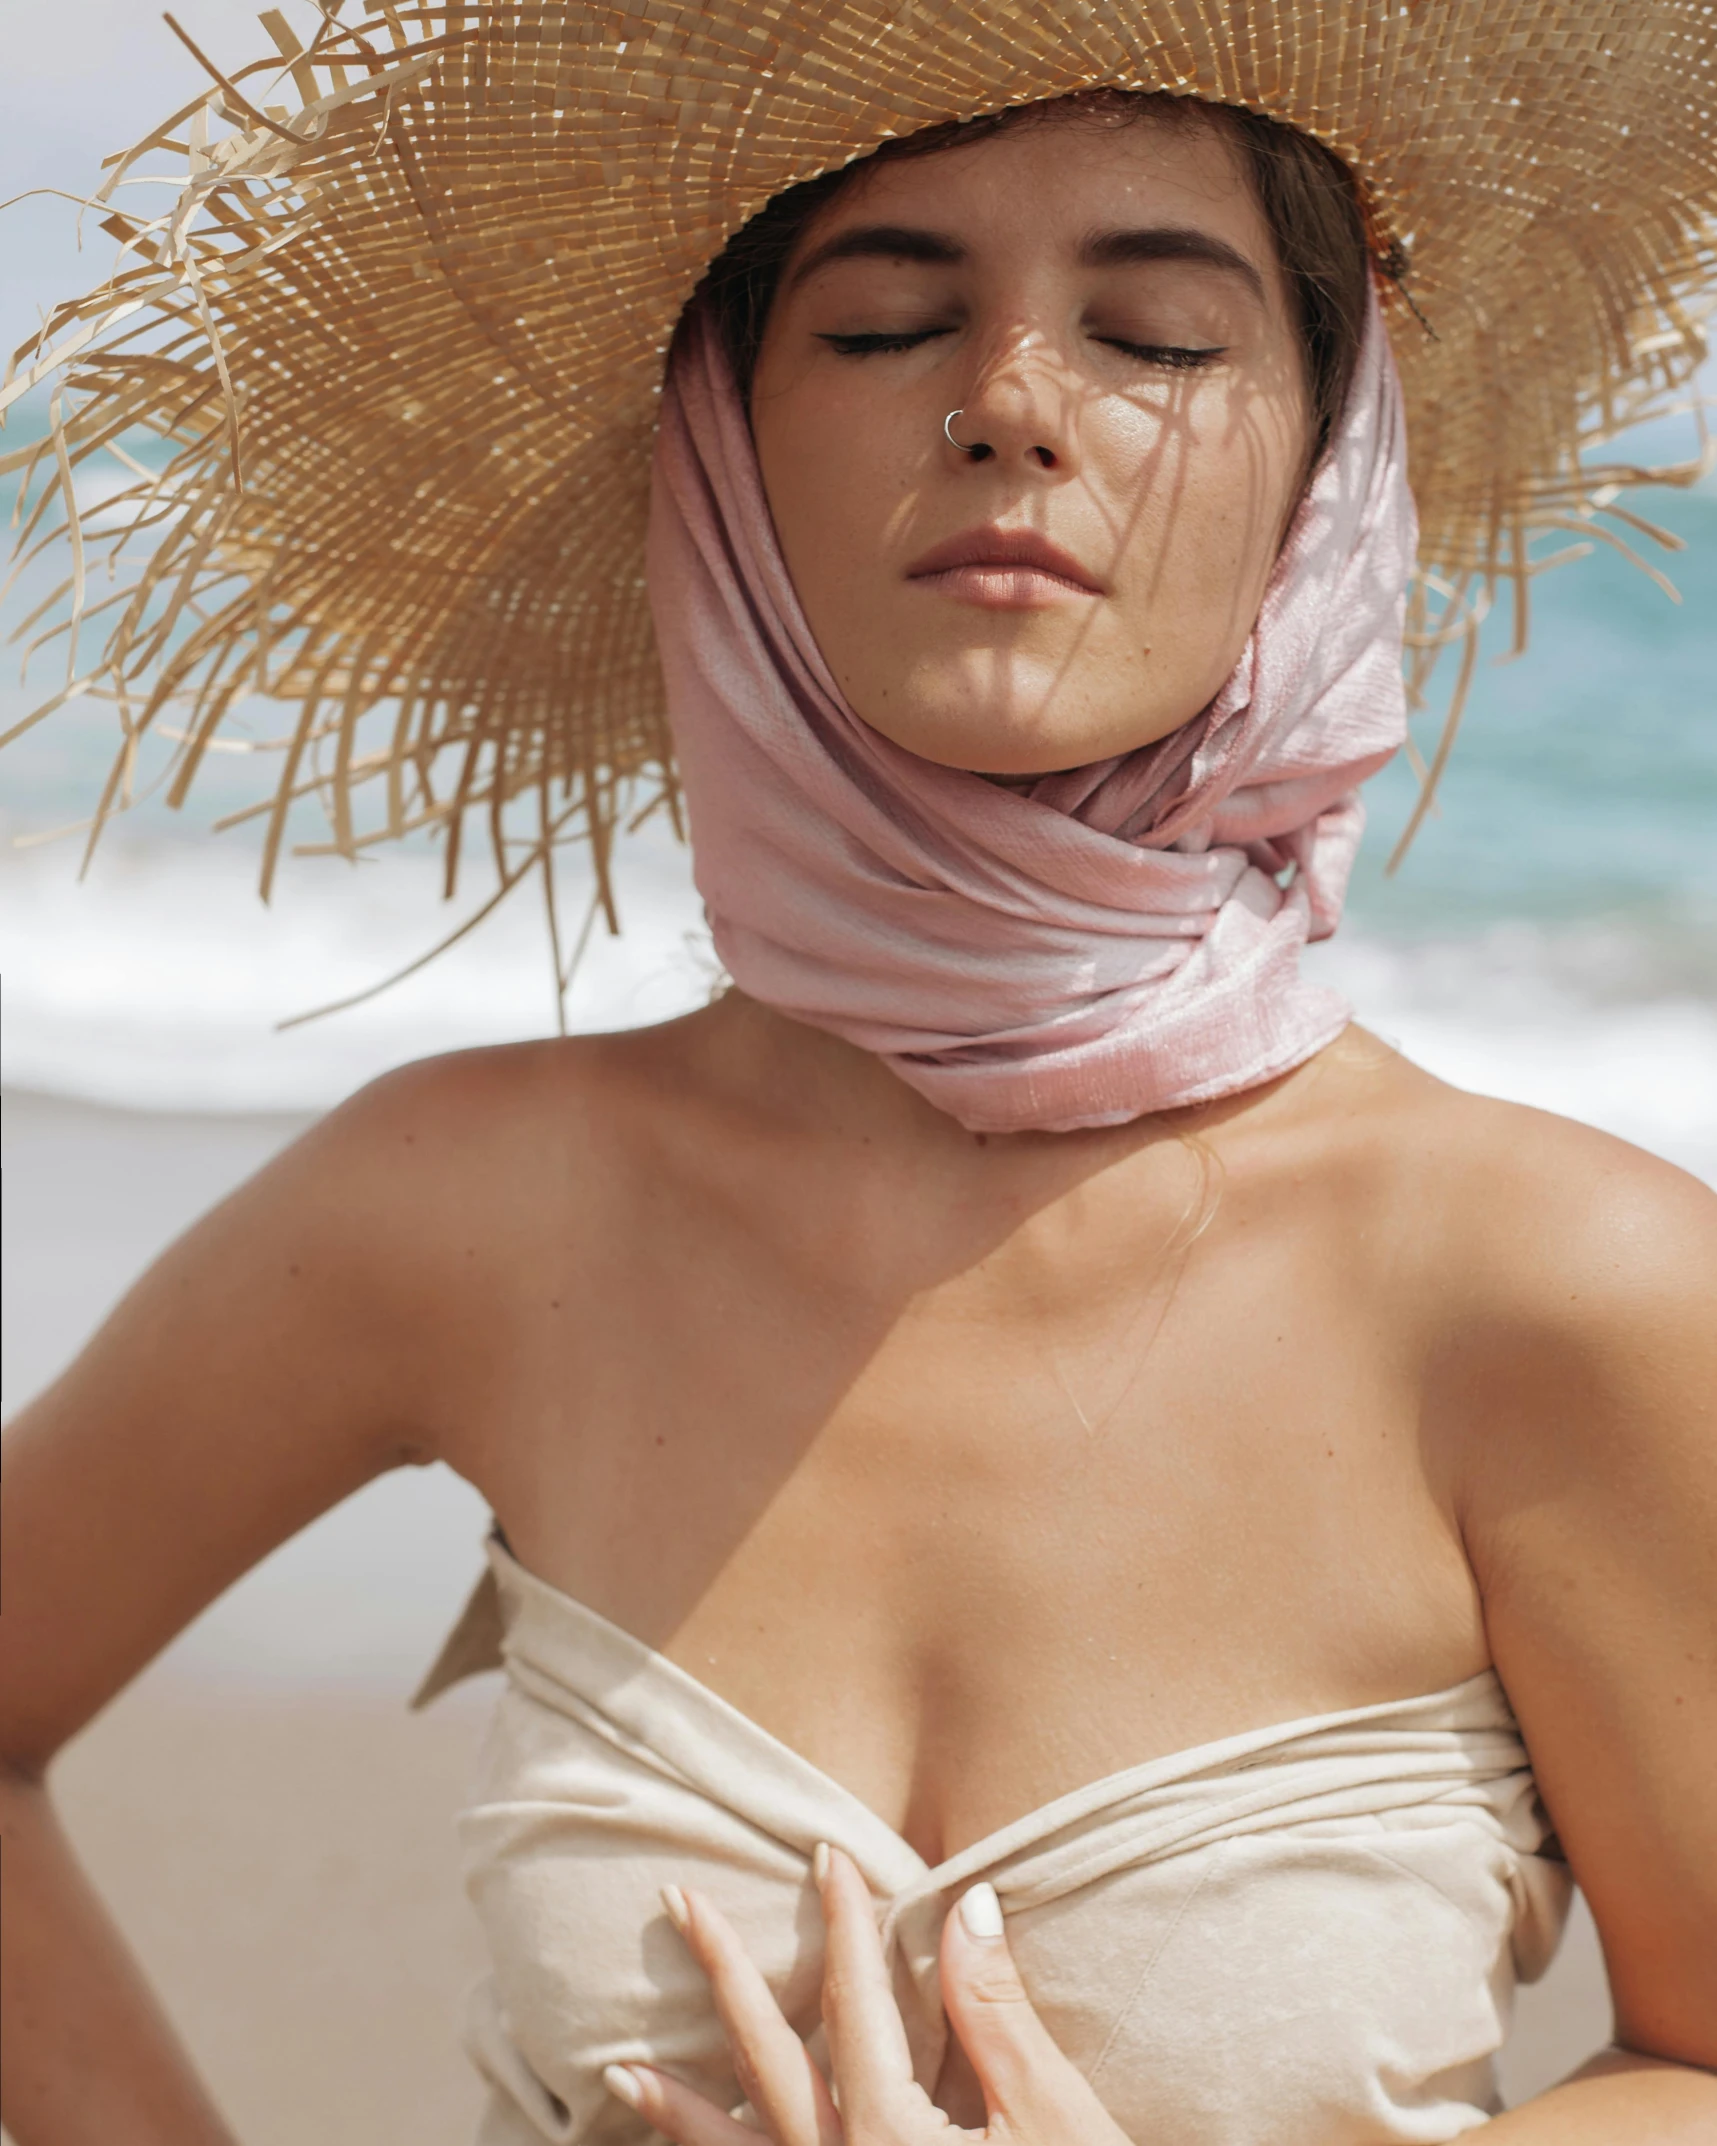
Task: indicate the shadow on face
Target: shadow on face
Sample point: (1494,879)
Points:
(1070,569)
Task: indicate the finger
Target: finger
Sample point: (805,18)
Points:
(674,2109)
(1028,2083)
(868,2051)
(776,2072)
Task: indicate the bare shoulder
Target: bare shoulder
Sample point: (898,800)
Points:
(1522,1219)
(475,1105)
(1555,1285)
(1561,1286)
(494,1130)
(367,1204)
(1586,1296)
(443,1178)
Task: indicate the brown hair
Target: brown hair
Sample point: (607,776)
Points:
(1306,193)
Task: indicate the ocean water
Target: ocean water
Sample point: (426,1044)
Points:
(1551,937)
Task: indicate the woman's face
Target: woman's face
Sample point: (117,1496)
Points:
(1103,306)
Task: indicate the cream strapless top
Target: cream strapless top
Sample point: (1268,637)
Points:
(1307,1935)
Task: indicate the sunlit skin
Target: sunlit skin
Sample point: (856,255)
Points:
(973,1470)
(1103,306)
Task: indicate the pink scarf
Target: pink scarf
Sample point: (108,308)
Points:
(1117,939)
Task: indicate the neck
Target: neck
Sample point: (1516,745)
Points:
(807,1079)
(815,1082)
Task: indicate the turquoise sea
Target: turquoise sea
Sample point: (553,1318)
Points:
(1584,782)
(1552,935)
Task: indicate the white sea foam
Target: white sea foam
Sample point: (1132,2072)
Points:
(159,983)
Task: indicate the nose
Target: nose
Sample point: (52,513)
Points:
(1018,411)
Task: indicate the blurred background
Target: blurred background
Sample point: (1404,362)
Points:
(274,1829)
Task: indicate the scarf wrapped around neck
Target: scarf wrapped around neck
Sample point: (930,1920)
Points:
(1108,941)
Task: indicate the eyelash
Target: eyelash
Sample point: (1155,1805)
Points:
(1171,357)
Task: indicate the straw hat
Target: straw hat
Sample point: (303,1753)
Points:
(404,326)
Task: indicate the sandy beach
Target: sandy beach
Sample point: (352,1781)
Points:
(273,1829)
(284,1863)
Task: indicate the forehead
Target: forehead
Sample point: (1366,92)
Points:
(1054,169)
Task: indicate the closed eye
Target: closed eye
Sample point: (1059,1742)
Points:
(1175,357)
(1172,357)
(864,346)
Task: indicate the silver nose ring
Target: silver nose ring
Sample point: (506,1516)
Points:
(948,433)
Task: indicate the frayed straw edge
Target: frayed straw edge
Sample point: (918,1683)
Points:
(1426,642)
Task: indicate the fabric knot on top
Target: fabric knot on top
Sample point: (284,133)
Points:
(1105,942)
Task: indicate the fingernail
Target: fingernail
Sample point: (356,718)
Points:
(623,2082)
(820,1862)
(675,1903)
(981,1911)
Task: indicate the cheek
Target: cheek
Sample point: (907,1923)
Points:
(841,479)
(1200,503)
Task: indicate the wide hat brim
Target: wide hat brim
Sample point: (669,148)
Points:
(406,329)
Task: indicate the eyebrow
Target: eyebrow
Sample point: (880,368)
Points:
(1170,242)
(885,242)
(1104,249)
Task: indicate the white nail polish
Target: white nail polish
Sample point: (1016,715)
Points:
(675,1903)
(820,1862)
(981,1911)
(623,2083)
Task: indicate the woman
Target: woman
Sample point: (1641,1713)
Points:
(1047,1483)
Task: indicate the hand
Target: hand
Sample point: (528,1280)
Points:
(1033,2095)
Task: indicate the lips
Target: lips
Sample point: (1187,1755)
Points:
(1011,567)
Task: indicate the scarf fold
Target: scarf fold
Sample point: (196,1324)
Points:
(1107,941)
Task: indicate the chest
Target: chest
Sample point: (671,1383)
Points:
(982,1531)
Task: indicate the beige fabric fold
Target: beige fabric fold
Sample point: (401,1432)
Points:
(1307,1935)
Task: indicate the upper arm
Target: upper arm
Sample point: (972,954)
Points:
(268,1364)
(1591,1519)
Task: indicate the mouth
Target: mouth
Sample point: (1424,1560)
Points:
(1004,570)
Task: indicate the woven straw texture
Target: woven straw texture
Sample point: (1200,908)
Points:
(404,324)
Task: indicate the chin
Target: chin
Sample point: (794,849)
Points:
(974,746)
(981,711)
(1014,735)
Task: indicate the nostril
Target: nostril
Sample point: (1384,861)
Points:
(1046,456)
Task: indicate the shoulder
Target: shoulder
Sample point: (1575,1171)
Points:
(1561,1289)
(1529,1263)
(501,1146)
(414,1212)
(438,1136)
(1561,1231)
(1539,1220)
(1590,1308)
(490,1123)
